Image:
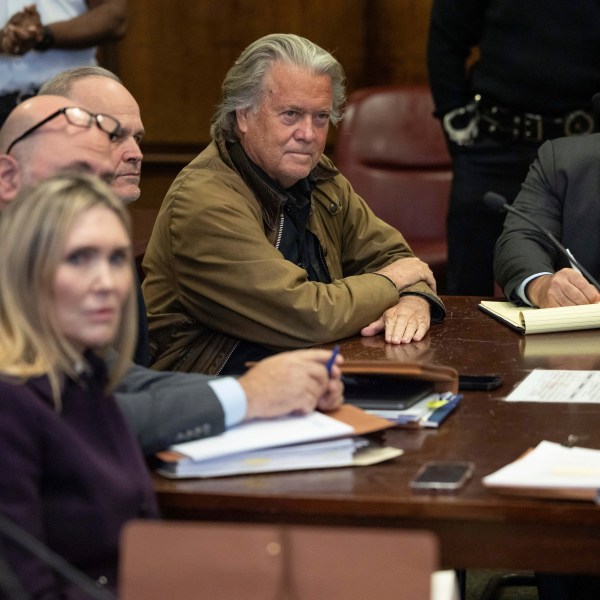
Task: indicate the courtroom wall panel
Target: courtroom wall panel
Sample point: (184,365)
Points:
(176,53)
(396,42)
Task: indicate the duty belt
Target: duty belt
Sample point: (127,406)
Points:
(505,124)
(464,124)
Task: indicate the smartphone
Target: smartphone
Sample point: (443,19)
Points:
(479,382)
(442,475)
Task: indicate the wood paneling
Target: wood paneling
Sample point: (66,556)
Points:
(175,55)
(397,35)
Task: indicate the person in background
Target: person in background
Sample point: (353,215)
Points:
(261,245)
(537,70)
(101,91)
(41,39)
(72,473)
(46,135)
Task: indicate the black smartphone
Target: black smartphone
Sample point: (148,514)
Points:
(479,382)
(442,475)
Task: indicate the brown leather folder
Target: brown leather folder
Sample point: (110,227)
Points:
(445,379)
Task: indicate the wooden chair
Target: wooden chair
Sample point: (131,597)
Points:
(393,152)
(193,560)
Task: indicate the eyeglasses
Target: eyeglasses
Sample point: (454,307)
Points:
(78,117)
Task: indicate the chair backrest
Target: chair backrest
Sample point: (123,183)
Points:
(193,560)
(392,150)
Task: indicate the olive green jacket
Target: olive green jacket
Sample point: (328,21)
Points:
(214,274)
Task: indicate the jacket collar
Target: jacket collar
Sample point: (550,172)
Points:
(267,192)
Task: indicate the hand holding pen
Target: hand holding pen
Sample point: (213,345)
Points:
(293,382)
(331,361)
(334,395)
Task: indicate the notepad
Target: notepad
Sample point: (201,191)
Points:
(529,320)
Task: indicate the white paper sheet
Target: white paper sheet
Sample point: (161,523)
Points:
(549,385)
(550,465)
(267,433)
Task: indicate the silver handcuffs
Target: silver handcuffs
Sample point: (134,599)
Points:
(462,124)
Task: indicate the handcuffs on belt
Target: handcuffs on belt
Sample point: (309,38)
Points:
(462,125)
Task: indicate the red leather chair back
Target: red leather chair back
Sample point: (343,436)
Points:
(393,152)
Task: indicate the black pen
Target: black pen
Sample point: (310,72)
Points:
(329,365)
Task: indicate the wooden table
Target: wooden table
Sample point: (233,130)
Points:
(477,528)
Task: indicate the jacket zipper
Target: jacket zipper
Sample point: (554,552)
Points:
(280,232)
(226,359)
(323,262)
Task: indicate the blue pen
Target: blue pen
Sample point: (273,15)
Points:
(329,365)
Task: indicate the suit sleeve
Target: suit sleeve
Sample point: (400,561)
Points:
(164,408)
(521,250)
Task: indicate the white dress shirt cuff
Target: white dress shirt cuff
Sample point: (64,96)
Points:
(232,397)
(520,291)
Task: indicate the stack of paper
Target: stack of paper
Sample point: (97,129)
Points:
(551,471)
(310,441)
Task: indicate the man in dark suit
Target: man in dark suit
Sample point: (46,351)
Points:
(562,194)
(42,137)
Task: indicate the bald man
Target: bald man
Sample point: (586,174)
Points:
(162,408)
(101,91)
(74,148)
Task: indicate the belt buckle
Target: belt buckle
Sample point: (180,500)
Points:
(579,122)
(533,127)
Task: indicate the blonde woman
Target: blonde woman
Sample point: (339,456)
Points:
(71,472)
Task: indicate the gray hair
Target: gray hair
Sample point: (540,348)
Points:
(62,83)
(243,84)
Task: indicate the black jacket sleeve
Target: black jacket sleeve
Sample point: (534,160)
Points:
(456,26)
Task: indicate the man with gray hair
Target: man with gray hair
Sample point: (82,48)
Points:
(261,244)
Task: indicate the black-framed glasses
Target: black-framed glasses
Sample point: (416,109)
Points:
(80,117)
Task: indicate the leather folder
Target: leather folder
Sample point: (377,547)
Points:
(444,379)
